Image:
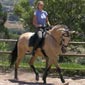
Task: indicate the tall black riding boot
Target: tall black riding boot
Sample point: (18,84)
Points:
(36,46)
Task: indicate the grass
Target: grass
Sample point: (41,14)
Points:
(68,69)
(73,66)
(70,66)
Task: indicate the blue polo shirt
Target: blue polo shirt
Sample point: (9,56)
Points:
(41,17)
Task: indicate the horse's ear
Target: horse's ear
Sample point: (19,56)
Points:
(73,32)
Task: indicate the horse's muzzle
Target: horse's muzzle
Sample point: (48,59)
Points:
(64,49)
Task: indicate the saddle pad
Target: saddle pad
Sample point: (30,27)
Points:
(32,39)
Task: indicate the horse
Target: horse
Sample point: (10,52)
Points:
(55,43)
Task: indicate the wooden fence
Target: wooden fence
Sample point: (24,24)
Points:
(4,60)
(71,54)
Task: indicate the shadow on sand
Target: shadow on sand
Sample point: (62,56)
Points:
(26,83)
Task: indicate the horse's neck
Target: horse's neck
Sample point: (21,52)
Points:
(55,38)
(52,44)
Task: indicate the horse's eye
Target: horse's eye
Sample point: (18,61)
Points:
(66,34)
(63,40)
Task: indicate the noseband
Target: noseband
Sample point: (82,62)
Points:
(65,34)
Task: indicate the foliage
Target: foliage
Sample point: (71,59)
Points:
(25,12)
(81,61)
(4,31)
(3,17)
(68,69)
(68,12)
(3,46)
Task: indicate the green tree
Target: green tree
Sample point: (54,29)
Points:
(3,17)
(25,12)
(68,12)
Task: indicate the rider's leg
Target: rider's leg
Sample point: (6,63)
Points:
(38,40)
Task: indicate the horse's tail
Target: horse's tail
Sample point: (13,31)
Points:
(13,55)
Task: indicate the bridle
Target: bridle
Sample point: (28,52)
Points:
(65,34)
(52,36)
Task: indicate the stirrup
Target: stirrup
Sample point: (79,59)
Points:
(33,52)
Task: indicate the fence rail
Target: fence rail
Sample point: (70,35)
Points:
(15,40)
(4,60)
(67,54)
(8,40)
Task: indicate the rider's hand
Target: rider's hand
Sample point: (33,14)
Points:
(39,25)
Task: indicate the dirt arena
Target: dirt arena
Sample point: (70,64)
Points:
(26,78)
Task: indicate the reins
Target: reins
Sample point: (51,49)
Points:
(51,36)
(61,42)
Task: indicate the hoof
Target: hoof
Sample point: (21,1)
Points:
(16,79)
(37,78)
(44,81)
(67,83)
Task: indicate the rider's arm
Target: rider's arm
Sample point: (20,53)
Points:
(48,23)
(35,22)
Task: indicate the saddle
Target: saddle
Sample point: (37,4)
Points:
(32,41)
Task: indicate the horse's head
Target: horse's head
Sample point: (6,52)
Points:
(62,36)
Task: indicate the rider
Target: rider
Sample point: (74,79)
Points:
(40,21)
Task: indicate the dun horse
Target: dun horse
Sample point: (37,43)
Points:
(55,42)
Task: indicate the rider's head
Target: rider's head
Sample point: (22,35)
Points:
(40,5)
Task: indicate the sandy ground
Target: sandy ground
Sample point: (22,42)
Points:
(26,78)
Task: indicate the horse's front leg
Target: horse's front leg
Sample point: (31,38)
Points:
(60,74)
(46,74)
(32,66)
(46,71)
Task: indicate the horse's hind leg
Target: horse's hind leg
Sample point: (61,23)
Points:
(32,66)
(21,53)
(16,68)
